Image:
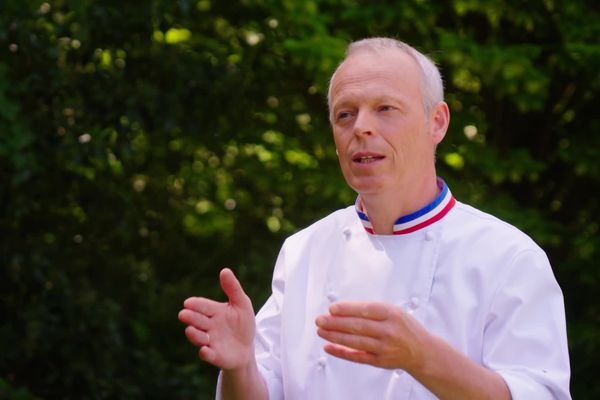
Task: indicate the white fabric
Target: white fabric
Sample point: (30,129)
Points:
(479,283)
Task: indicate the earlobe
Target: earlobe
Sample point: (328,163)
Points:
(440,120)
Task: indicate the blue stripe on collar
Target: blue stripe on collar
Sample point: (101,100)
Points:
(426,216)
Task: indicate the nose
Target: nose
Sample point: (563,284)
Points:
(364,124)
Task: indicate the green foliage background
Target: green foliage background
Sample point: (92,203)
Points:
(146,144)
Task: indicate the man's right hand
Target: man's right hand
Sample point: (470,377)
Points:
(223,331)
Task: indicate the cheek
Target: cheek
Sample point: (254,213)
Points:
(341,141)
(403,146)
(407,151)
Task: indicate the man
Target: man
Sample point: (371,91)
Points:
(414,295)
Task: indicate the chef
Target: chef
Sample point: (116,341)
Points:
(406,294)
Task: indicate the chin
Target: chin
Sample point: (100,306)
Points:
(365,186)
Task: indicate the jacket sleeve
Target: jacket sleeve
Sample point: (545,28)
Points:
(525,337)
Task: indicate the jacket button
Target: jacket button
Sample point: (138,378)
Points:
(332,296)
(347,233)
(321,363)
(414,302)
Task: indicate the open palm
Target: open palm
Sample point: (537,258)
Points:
(223,331)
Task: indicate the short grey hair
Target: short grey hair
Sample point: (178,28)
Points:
(431,79)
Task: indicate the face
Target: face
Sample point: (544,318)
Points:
(384,139)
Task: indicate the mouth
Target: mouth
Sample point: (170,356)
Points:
(366,158)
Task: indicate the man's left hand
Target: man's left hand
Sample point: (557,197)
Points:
(375,333)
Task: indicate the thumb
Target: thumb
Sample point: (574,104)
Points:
(232,288)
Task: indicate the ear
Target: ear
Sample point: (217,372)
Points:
(439,121)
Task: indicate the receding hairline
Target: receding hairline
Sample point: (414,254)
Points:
(432,86)
(382,64)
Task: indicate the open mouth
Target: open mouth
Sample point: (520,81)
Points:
(367,159)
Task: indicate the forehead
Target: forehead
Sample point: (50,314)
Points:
(377,73)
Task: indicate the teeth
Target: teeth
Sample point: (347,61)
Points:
(366,159)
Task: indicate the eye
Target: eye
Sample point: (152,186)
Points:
(342,115)
(385,107)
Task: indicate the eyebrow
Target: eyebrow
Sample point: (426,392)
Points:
(345,102)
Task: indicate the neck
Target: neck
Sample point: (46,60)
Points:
(384,208)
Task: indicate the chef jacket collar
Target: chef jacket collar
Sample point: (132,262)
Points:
(419,219)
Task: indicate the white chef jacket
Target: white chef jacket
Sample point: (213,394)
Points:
(470,278)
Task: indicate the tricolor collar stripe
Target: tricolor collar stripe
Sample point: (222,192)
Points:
(426,216)
(418,217)
(428,222)
(362,215)
(423,212)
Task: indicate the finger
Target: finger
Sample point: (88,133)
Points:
(353,325)
(195,319)
(371,310)
(197,337)
(232,288)
(207,354)
(349,354)
(202,305)
(356,342)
